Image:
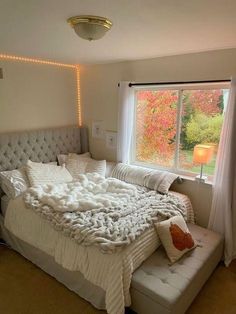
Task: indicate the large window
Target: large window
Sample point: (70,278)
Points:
(171,120)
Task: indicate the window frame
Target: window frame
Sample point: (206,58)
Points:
(180,88)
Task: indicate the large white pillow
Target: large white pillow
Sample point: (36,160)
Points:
(62,157)
(39,173)
(78,165)
(14,182)
(153,179)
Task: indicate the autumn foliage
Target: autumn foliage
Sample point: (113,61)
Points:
(156,125)
(156,116)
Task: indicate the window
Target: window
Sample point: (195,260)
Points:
(171,120)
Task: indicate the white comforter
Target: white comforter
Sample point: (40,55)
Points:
(108,213)
(111,272)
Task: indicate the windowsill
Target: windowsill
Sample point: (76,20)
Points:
(181,174)
(192,179)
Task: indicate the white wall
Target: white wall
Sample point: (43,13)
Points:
(99,95)
(34,96)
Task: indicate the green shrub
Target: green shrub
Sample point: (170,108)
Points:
(203,129)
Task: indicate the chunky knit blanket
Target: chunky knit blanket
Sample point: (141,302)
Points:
(108,213)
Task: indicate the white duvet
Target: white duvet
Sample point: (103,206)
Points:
(108,213)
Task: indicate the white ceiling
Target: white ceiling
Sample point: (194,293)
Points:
(142,28)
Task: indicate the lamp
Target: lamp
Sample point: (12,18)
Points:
(202,154)
(90,27)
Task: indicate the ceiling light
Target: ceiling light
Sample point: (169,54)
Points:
(90,27)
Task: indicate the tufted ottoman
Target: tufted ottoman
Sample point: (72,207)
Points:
(160,288)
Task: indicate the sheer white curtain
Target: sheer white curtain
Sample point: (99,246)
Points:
(125,121)
(223,211)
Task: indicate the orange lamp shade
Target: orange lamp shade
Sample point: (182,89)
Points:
(202,154)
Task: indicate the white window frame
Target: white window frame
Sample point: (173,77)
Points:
(180,88)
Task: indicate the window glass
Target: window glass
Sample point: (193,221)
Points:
(170,122)
(156,126)
(202,119)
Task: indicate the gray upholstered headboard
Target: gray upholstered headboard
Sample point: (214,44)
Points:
(40,145)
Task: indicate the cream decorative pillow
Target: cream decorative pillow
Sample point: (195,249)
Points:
(39,173)
(14,182)
(78,165)
(110,165)
(62,157)
(98,166)
(175,237)
(159,181)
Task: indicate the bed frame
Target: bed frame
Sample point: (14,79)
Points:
(44,146)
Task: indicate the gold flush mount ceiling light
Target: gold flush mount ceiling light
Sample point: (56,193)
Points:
(90,27)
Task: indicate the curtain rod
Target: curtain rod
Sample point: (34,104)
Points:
(178,83)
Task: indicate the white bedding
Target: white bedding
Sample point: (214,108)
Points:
(108,213)
(111,272)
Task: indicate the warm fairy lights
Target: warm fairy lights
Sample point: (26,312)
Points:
(46,62)
(16,58)
(78,96)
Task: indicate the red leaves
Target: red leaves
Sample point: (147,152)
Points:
(156,125)
(156,114)
(205,101)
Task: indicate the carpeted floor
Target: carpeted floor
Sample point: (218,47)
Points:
(25,289)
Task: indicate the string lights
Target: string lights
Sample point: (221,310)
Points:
(46,62)
(16,58)
(78,95)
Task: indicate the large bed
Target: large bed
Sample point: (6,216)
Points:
(102,279)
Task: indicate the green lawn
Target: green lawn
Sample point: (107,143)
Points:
(207,169)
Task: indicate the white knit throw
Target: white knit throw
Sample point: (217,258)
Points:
(108,213)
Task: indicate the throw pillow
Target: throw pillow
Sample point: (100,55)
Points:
(175,237)
(78,165)
(14,182)
(62,157)
(39,173)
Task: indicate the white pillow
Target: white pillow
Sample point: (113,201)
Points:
(52,163)
(14,182)
(110,165)
(175,237)
(62,157)
(159,181)
(78,165)
(39,173)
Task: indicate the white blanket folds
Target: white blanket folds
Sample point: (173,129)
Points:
(107,213)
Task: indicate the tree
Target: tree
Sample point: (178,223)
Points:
(206,101)
(156,122)
(156,125)
(203,129)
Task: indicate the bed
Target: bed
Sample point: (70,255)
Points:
(102,279)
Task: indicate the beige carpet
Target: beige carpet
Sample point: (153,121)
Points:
(25,289)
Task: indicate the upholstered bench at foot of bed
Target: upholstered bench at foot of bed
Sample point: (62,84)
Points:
(159,287)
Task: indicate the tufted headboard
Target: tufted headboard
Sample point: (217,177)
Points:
(40,145)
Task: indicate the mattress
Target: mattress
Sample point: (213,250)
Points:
(4,203)
(110,272)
